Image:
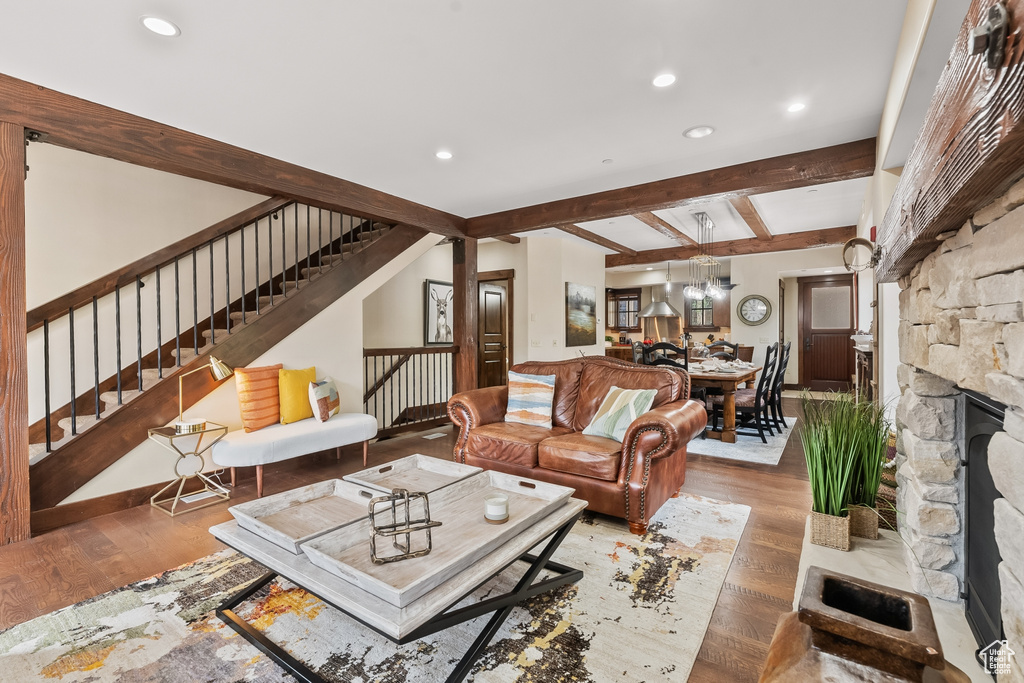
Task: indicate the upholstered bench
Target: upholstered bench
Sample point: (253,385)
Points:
(282,442)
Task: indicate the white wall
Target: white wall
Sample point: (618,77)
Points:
(759,274)
(332,341)
(791,329)
(496,255)
(86,216)
(393,313)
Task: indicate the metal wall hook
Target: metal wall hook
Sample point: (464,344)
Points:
(990,36)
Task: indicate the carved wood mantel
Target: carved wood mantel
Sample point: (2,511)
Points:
(969,151)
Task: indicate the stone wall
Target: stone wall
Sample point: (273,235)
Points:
(962,326)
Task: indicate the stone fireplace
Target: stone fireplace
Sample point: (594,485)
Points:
(962,329)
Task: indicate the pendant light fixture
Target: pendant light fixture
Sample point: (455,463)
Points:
(705,269)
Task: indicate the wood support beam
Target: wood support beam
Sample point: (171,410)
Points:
(597,239)
(466,306)
(14,492)
(802,169)
(970,149)
(89,127)
(65,470)
(753,245)
(510,239)
(745,208)
(665,228)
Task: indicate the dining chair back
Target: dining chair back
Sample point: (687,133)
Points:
(752,404)
(723,349)
(775,400)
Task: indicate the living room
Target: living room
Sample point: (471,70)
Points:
(168,272)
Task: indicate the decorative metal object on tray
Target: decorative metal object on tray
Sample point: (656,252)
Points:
(399,504)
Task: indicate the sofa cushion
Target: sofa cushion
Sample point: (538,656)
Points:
(620,408)
(529,399)
(598,379)
(567,386)
(281,442)
(510,442)
(587,456)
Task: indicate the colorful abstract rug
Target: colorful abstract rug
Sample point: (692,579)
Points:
(747,448)
(639,614)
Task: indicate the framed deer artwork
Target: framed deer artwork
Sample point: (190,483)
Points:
(437,321)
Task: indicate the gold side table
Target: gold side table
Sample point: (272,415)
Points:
(190,449)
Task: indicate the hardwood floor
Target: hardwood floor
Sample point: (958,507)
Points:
(85,559)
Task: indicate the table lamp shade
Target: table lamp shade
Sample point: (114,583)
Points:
(220,371)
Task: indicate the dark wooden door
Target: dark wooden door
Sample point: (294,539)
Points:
(493,334)
(826,322)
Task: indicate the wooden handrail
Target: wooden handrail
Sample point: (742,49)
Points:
(147,264)
(409,350)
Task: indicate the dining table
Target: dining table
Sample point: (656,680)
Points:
(728,382)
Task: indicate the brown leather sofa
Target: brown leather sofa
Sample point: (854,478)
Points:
(630,480)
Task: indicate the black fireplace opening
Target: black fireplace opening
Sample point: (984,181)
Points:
(983,417)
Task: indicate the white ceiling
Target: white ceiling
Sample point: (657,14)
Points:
(530,95)
(630,232)
(728,224)
(831,205)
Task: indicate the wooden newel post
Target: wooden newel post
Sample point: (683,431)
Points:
(466,305)
(14,497)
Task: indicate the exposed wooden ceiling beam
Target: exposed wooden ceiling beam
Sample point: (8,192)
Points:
(666,229)
(753,245)
(89,127)
(597,239)
(511,239)
(745,208)
(802,169)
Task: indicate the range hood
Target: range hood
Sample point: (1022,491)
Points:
(659,309)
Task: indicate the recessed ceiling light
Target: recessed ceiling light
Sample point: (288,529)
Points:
(699,132)
(795,107)
(663,80)
(159,26)
(650,268)
(443,154)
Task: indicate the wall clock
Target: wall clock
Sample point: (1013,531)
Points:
(754,309)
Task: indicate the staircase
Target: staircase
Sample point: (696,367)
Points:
(232,290)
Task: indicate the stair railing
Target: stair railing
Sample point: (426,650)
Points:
(185,297)
(408,388)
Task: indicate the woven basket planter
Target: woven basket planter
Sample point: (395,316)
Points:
(830,531)
(863,522)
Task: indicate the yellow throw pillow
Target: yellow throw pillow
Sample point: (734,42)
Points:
(294,389)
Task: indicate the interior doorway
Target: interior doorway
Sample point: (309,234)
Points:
(826,319)
(495,331)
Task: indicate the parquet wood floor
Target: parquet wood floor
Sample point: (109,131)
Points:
(91,557)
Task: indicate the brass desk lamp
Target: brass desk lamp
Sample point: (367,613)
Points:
(220,371)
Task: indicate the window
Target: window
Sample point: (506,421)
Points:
(624,309)
(702,313)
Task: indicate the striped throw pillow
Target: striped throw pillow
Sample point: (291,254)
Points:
(618,410)
(258,396)
(530,398)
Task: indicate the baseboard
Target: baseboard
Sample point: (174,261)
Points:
(792,387)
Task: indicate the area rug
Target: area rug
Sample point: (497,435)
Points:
(639,614)
(747,448)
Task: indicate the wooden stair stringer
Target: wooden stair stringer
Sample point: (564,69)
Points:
(63,472)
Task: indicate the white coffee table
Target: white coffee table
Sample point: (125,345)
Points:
(425,615)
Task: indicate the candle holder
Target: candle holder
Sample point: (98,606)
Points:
(496,509)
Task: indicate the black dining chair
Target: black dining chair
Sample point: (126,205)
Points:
(775,401)
(638,352)
(723,349)
(655,354)
(752,404)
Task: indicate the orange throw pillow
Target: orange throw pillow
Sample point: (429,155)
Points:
(258,396)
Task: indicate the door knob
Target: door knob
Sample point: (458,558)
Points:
(807,342)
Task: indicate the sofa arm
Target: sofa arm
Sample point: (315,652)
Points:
(473,408)
(656,436)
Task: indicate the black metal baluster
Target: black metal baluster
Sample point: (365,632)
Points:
(195,302)
(117,343)
(270,257)
(308,244)
(320,240)
(330,236)
(296,221)
(213,301)
(366,376)
(398,383)
(256,232)
(419,359)
(74,393)
(177,315)
(96,358)
(241,237)
(284,262)
(227,283)
(138,327)
(159,333)
(46,384)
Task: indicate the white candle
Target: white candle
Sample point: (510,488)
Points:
(496,507)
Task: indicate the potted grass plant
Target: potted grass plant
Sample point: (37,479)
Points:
(873,445)
(831,439)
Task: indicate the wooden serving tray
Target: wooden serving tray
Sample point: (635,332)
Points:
(463,537)
(413,473)
(291,518)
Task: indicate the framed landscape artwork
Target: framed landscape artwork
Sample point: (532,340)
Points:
(580,315)
(437,321)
